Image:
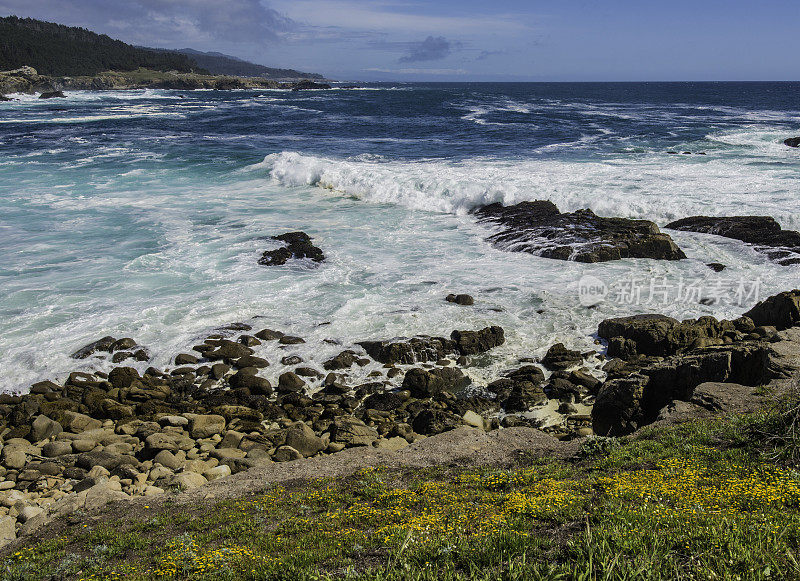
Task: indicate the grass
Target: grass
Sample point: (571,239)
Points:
(704,500)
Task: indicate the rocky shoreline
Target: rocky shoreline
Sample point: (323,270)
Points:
(97,437)
(28,80)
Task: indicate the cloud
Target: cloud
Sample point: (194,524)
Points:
(164,22)
(433,48)
(485,54)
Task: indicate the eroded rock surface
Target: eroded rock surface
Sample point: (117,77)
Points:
(540,228)
(763,232)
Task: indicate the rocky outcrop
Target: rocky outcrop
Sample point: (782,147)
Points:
(423,348)
(763,232)
(298,246)
(309,85)
(540,228)
(658,335)
(660,360)
(780,311)
(53,95)
(792,142)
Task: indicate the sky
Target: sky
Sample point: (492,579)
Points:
(463,40)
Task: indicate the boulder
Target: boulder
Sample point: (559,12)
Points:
(780,311)
(168,441)
(298,245)
(792,142)
(8,532)
(286,454)
(474,342)
(423,383)
(303,439)
(383,402)
(627,403)
(43,428)
(783,246)
(352,432)
(205,426)
(188,480)
(415,350)
(429,422)
(559,357)
(103,344)
(123,376)
(656,335)
(540,228)
(290,382)
(76,422)
(463,300)
(53,95)
(57,448)
(343,360)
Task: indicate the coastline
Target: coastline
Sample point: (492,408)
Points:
(101,438)
(27,80)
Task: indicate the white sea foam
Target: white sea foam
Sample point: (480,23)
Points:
(656,186)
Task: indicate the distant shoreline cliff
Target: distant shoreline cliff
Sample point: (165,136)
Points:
(28,80)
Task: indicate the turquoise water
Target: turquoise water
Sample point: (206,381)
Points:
(143,213)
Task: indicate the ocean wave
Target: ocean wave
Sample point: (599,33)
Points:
(653,186)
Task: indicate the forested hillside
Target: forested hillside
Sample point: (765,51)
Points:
(55,49)
(222,64)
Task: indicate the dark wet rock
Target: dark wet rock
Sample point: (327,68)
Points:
(424,383)
(657,335)
(464,300)
(343,360)
(3,98)
(792,142)
(523,396)
(352,432)
(298,245)
(780,311)
(291,360)
(53,95)
(269,335)
(716,266)
(384,402)
(185,359)
(229,351)
(628,403)
(782,246)
(103,344)
(539,228)
(474,342)
(429,422)
(415,350)
(307,85)
(251,361)
(291,340)
(290,382)
(559,357)
(121,377)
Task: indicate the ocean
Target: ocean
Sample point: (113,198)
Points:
(144,213)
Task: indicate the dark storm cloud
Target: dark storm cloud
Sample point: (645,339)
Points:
(159,22)
(432,48)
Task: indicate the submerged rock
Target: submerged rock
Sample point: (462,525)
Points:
(792,142)
(53,95)
(463,300)
(539,228)
(782,246)
(298,245)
